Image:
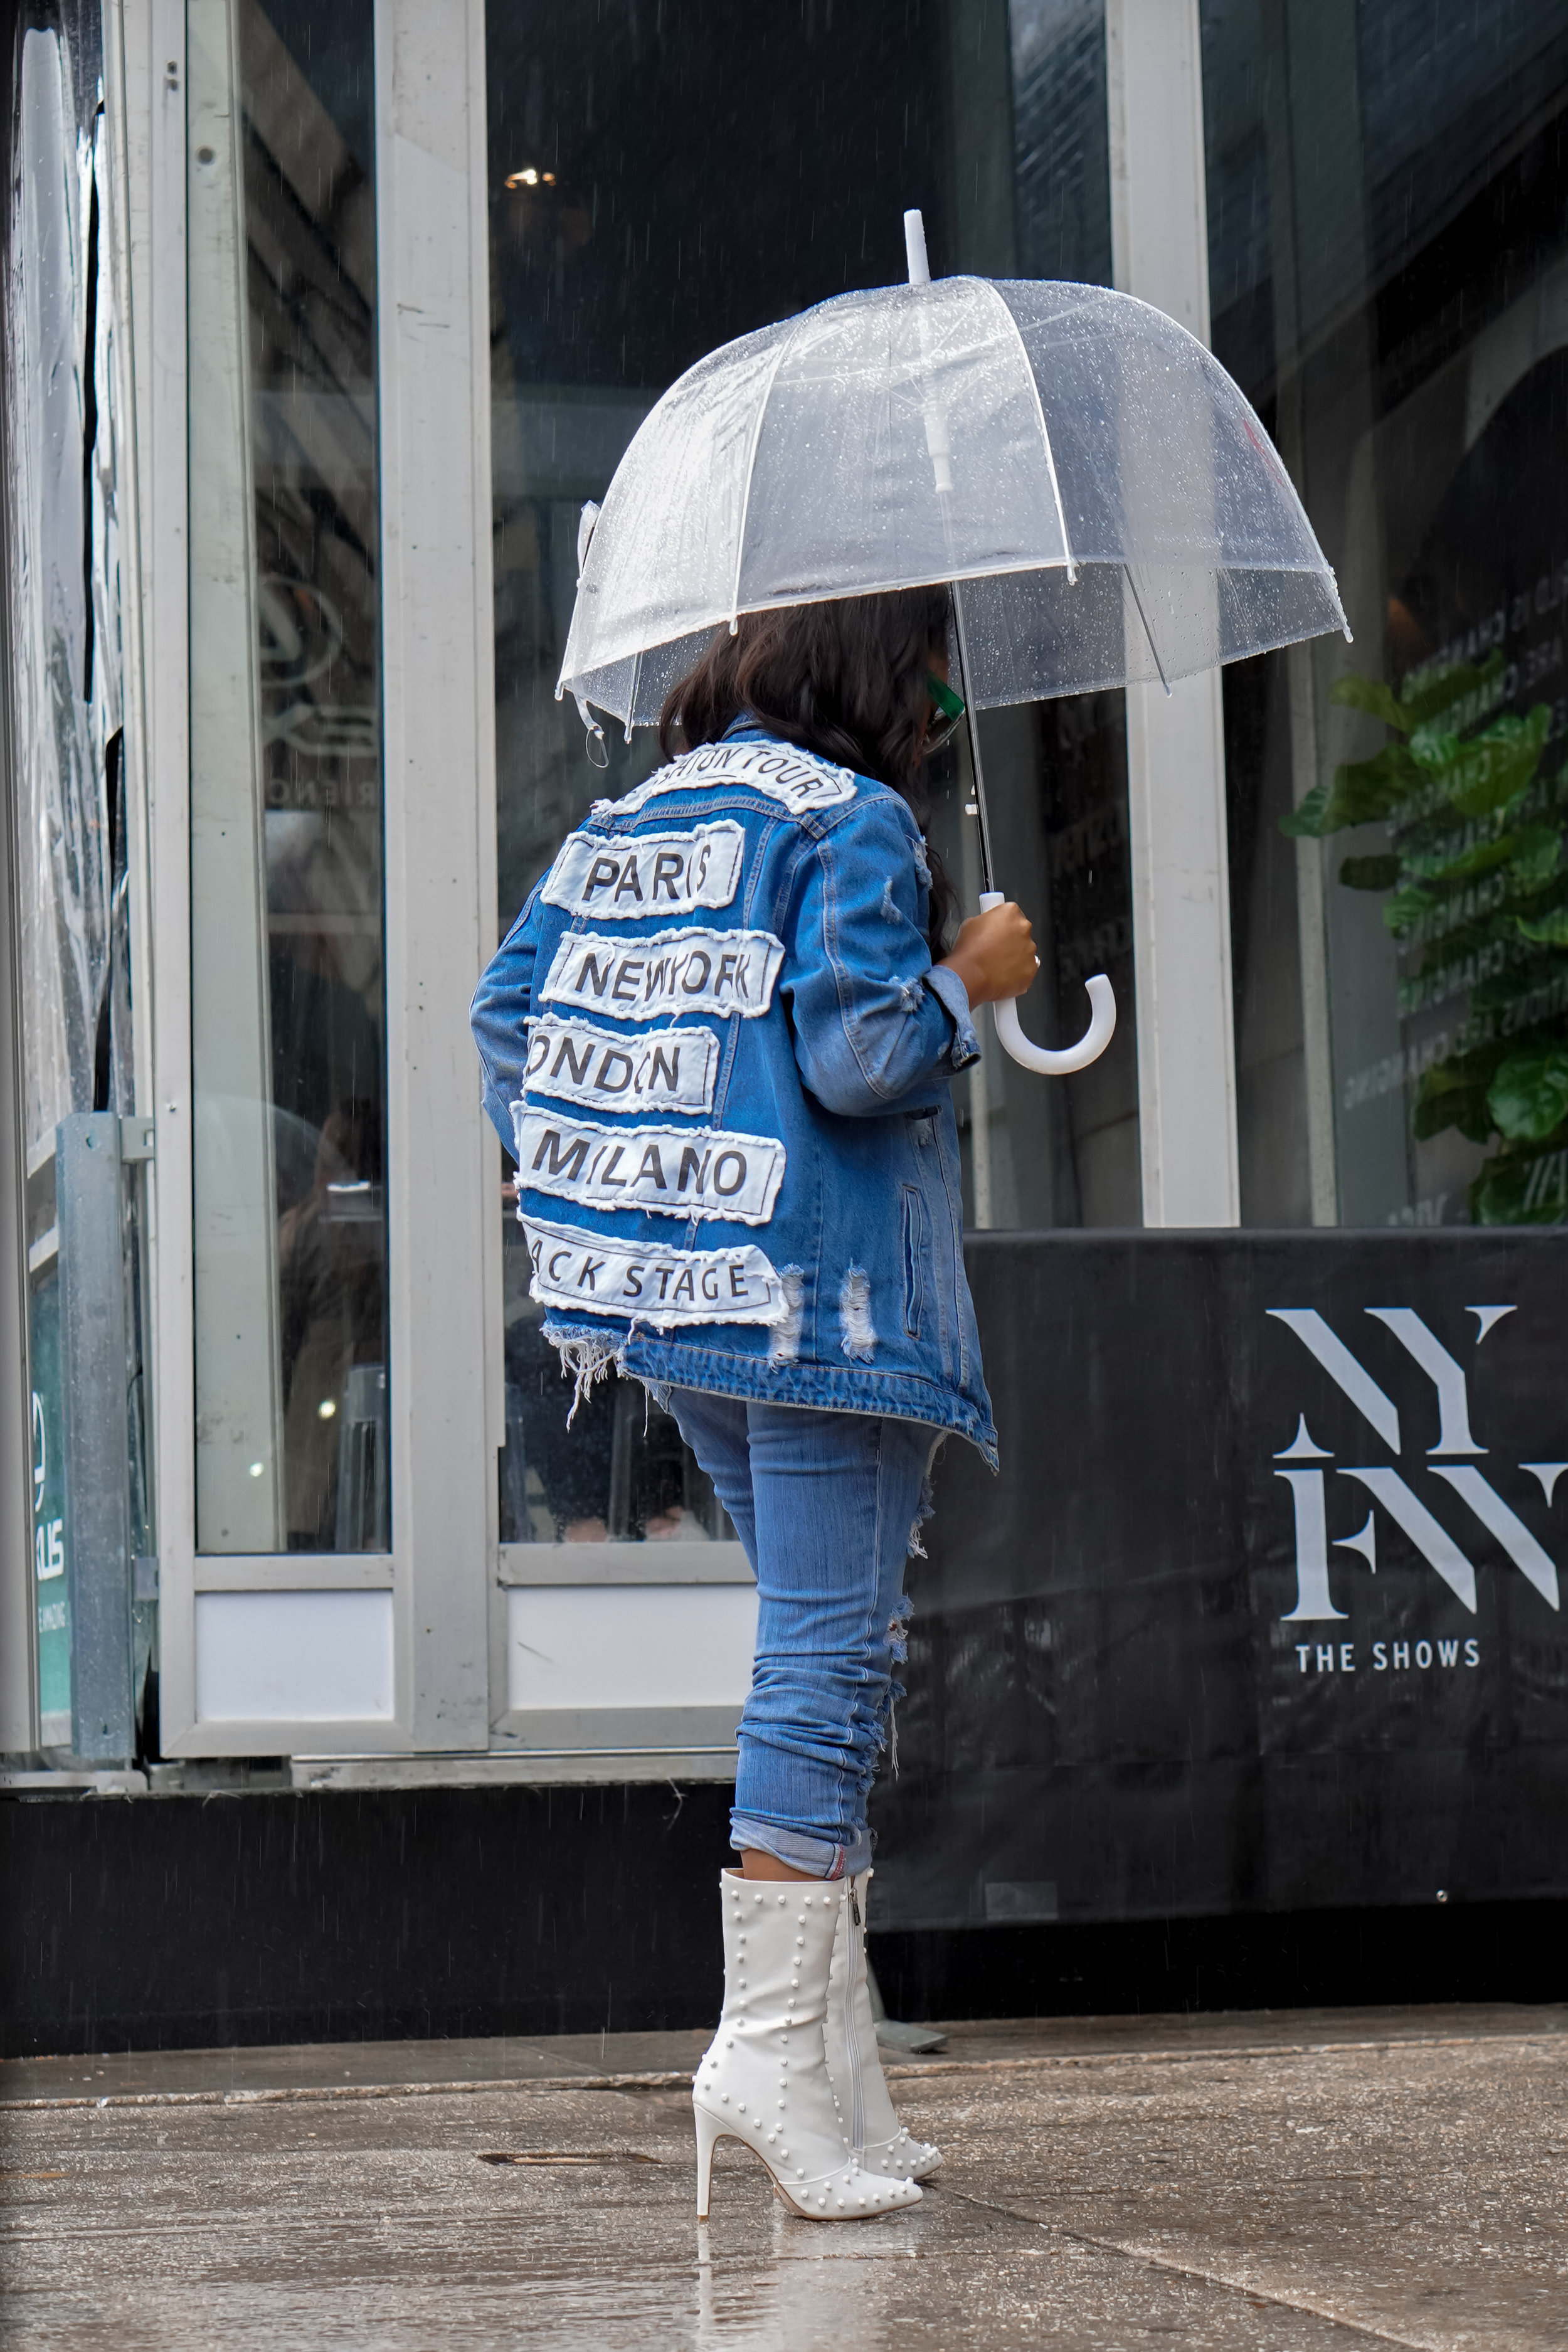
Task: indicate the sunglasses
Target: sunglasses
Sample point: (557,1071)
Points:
(947,710)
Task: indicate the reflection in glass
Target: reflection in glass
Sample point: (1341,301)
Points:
(1387,261)
(64,792)
(286,845)
(644,207)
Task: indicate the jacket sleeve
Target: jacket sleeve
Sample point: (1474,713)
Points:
(872,1020)
(500,1014)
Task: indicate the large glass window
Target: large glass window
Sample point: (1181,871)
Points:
(659,185)
(1389,273)
(288,1027)
(64,738)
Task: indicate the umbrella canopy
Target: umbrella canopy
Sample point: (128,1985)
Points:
(1077,460)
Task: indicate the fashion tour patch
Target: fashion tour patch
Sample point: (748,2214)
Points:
(662,873)
(785,776)
(664,1069)
(674,971)
(674,1172)
(659,1287)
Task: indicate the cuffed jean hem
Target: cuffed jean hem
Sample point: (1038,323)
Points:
(819,1856)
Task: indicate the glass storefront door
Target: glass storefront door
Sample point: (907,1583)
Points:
(1389,264)
(288,984)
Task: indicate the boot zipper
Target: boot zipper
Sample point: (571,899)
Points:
(851,2029)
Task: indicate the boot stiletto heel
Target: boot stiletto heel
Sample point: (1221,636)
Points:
(707,2132)
(763,2079)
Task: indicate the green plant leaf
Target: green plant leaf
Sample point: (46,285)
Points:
(1537,851)
(1547,930)
(1371,695)
(1361,791)
(1529,1097)
(1370,873)
(1454,1094)
(1405,909)
(1483,773)
(1515,1189)
(1439,693)
(1305,821)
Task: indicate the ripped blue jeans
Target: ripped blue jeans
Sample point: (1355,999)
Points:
(826,1504)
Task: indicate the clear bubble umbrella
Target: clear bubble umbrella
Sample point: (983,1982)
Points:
(1092,484)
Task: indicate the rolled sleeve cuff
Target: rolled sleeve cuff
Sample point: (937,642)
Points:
(945,984)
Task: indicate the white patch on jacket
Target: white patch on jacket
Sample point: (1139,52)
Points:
(800,781)
(664,1069)
(674,971)
(654,874)
(702,1171)
(662,1288)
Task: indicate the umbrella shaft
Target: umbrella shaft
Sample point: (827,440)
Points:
(971,716)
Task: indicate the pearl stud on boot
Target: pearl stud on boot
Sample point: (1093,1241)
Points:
(763,2079)
(875,2134)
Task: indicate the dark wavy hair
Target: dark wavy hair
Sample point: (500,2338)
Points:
(844,678)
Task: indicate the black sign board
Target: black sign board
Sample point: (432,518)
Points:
(1264,1610)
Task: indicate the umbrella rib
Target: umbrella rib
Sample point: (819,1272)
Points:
(750,469)
(1045,429)
(1148,632)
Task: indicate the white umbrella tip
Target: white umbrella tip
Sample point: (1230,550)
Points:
(915,246)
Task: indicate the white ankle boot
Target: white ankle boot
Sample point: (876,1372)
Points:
(874,2132)
(763,2079)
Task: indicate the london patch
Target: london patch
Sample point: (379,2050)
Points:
(659,1287)
(785,776)
(663,874)
(669,1069)
(675,971)
(702,1173)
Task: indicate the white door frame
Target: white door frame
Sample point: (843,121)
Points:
(433,307)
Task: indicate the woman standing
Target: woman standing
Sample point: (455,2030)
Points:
(720,1040)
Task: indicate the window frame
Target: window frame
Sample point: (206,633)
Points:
(437,705)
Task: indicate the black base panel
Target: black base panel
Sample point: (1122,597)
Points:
(179,1923)
(1262,1613)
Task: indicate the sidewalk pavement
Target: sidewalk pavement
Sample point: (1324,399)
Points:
(1286,2180)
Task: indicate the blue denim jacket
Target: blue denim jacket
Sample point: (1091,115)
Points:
(716,1045)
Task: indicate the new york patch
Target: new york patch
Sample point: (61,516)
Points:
(659,1287)
(659,873)
(675,971)
(672,1172)
(665,1069)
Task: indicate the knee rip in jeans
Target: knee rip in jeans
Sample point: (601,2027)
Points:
(898,1650)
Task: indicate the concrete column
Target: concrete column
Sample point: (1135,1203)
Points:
(1176,746)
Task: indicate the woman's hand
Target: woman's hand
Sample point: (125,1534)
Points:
(994,954)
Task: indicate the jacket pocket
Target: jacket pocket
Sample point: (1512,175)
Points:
(917,1249)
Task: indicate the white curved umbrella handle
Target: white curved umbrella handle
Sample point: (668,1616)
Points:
(1090,1046)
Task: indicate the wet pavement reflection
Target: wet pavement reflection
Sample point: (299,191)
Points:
(1238,2181)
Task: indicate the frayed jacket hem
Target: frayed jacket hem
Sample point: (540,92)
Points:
(827,1388)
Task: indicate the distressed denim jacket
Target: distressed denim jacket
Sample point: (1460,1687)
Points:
(716,1045)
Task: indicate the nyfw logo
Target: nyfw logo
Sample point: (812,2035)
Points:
(1404,1488)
